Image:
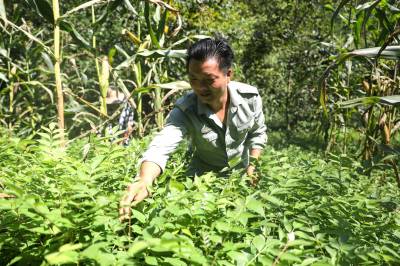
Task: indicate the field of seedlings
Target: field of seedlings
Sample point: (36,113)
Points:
(62,208)
(85,84)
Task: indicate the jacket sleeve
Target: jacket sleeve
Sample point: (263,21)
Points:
(167,140)
(257,137)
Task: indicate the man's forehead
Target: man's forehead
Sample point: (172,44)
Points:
(202,74)
(208,67)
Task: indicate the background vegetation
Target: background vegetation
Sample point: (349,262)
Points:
(328,74)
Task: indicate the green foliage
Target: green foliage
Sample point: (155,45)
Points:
(279,48)
(360,89)
(304,211)
(90,31)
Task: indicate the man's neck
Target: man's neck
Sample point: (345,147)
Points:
(220,104)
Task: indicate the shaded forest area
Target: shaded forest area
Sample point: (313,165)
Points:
(77,78)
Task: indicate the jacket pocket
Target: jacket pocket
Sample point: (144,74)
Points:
(246,126)
(209,136)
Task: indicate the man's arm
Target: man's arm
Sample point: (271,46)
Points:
(257,137)
(154,160)
(254,155)
(137,191)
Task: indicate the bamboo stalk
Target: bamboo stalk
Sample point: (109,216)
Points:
(57,69)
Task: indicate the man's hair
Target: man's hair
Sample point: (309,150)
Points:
(217,48)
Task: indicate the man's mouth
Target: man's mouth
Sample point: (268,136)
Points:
(205,94)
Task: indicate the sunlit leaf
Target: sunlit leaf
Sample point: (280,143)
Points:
(2,10)
(62,257)
(255,206)
(259,242)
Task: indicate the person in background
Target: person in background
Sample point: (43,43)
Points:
(223,118)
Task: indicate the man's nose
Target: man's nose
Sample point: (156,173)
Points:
(203,86)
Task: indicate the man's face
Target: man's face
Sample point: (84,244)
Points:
(207,80)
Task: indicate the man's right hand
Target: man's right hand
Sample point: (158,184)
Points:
(135,193)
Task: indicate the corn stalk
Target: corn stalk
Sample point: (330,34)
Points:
(103,82)
(137,69)
(57,69)
(103,74)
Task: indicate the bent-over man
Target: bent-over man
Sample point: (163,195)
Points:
(224,120)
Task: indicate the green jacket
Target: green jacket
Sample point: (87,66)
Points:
(215,146)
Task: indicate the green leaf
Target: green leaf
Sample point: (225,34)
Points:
(151,260)
(163,53)
(259,242)
(175,185)
(98,253)
(381,14)
(129,6)
(393,9)
(161,24)
(227,227)
(62,257)
(274,200)
(255,205)
(14,189)
(47,60)
(264,260)
(299,242)
(3,77)
(41,230)
(147,17)
(357,26)
(390,52)
(137,247)
(68,27)
(175,262)
(176,85)
(287,224)
(69,247)
(110,8)
(16,259)
(336,13)
(187,232)
(139,216)
(389,100)
(241,258)
(308,261)
(367,5)
(289,257)
(45,9)
(2,10)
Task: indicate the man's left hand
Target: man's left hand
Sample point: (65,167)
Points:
(253,176)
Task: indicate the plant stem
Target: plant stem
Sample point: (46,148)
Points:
(57,69)
(158,108)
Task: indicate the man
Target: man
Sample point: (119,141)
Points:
(223,118)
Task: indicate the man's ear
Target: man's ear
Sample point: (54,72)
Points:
(229,73)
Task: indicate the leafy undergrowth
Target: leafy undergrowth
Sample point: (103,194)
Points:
(305,210)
